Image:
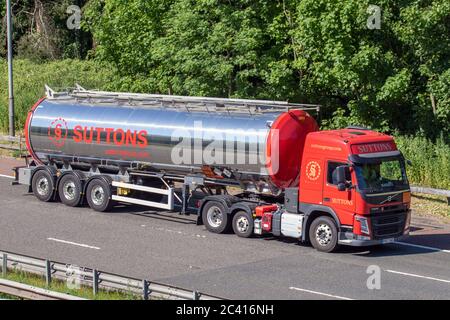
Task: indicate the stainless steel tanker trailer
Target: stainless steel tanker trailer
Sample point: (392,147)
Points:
(107,147)
(232,162)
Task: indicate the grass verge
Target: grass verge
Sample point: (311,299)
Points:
(61,286)
(424,204)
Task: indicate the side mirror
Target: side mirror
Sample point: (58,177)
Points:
(341,173)
(409,162)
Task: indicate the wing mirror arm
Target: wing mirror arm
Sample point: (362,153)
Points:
(342,172)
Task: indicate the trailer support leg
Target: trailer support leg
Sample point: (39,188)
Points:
(185,198)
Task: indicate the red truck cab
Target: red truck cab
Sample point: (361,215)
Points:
(357,178)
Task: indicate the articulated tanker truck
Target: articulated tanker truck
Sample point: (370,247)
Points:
(251,166)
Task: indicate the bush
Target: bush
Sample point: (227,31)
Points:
(430,161)
(30,78)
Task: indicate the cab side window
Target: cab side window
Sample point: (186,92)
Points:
(331,172)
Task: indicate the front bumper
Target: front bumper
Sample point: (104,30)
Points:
(348,239)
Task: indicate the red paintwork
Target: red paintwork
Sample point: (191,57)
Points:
(267,221)
(285,145)
(260,210)
(373,147)
(27,128)
(336,145)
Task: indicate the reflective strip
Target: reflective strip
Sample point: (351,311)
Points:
(141,188)
(168,206)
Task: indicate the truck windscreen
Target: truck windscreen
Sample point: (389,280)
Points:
(385,175)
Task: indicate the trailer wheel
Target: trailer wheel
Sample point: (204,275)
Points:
(215,217)
(323,234)
(243,224)
(43,185)
(69,190)
(98,195)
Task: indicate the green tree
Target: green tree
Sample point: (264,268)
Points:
(40,31)
(393,78)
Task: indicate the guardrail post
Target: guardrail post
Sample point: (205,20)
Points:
(145,289)
(195,295)
(48,273)
(5,264)
(95,281)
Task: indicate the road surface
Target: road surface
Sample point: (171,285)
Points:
(170,248)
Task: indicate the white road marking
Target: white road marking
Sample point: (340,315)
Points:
(320,293)
(422,247)
(74,243)
(417,276)
(5,176)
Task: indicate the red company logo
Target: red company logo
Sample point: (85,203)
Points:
(313,170)
(57,132)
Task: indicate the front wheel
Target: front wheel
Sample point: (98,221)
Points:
(323,234)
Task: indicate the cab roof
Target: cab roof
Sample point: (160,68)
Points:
(349,135)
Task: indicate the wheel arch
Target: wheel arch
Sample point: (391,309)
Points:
(315,211)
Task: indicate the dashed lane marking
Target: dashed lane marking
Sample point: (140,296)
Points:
(320,293)
(417,276)
(74,243)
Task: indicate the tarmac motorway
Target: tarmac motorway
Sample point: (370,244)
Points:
(170,248)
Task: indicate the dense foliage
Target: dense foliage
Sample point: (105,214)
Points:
(318,51)
(40,30)
(31,77)
(430,161)
(395,79)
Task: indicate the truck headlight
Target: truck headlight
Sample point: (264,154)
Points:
(364,224)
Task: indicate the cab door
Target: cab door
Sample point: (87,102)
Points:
(342,202)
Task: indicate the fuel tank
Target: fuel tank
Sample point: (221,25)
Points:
(244,140)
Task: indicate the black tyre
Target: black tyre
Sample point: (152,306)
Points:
(215,217)
(98,195)
(243,224)
(43,185)
(69,190)
(323,234)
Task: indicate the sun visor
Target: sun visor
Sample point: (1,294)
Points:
(375,157)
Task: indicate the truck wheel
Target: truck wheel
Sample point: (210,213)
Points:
(43,185)
(243,224)
(323,234)
(215,217)
(69,190)
(98,195)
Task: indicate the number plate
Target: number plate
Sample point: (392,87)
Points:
(390,240)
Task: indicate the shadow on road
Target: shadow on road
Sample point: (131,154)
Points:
(437,241)
(154,214)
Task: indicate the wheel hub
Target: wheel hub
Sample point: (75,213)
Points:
(214,216)
(42,186)
(69,190)
(323,234)
(97,195)
(242,224)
